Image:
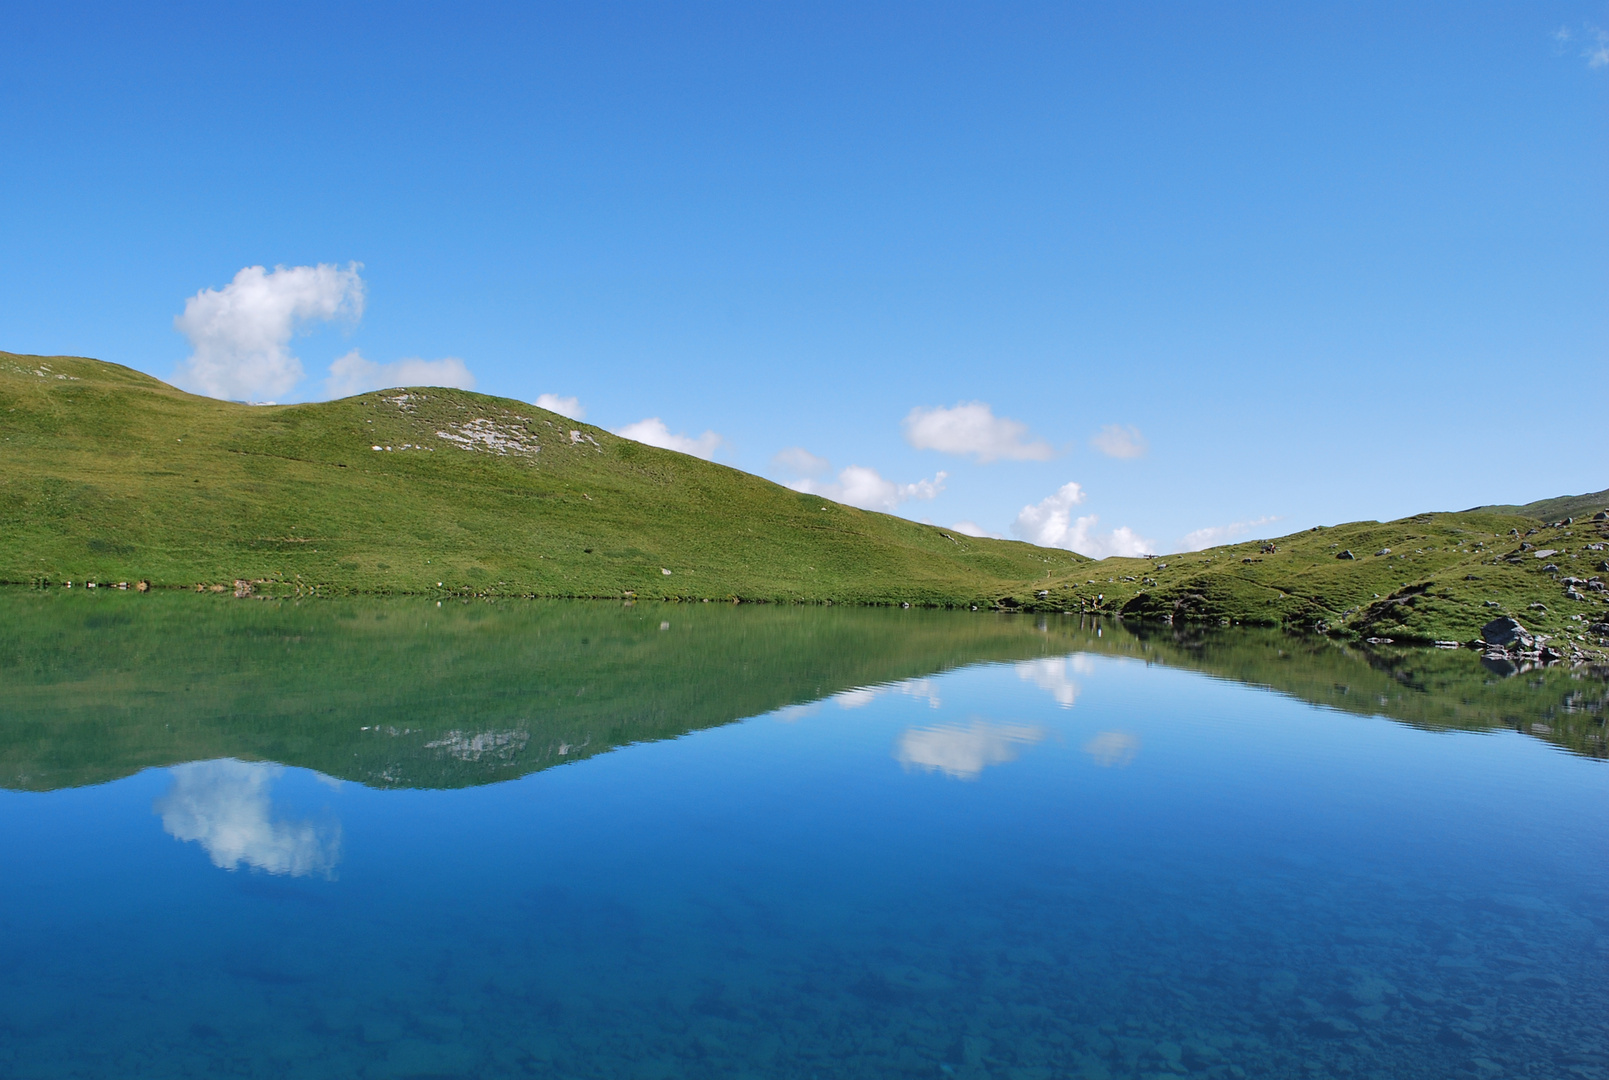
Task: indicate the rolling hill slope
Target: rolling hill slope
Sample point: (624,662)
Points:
(107,474)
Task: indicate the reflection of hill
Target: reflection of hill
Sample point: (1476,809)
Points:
(403,693)
(1430,688)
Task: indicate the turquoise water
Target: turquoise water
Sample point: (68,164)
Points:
(1060,866)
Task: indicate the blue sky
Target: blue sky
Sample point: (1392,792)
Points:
(1309,263)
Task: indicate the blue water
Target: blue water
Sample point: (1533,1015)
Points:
(1068,867)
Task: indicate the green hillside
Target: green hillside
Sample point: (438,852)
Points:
(1432,577)
(110,475)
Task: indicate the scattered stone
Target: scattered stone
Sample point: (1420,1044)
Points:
(1551,568)
(1526,545)
(1545,552)
(1571,594)
(1448,645)
(1601,515)
(1378,640)
(1346,555)
(1383,551)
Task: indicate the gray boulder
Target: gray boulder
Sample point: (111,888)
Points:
(1506,631)
(1346,555)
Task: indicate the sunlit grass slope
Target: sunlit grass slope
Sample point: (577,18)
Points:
(110,475)
(1426,578)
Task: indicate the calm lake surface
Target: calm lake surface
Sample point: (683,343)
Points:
(387,839)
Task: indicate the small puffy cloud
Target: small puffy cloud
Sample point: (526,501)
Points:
(1115,440)
(225,807)
(352,374)
(800,462)
(963,753)
(972,528)
(1050,523)
(866,488)
(564,406)
(1213,535)
(654,432)
(972,429)
(240,334)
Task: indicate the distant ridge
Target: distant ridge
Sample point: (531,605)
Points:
(1554,509)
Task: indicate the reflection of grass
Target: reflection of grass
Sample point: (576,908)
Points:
(98,685)
(1430,688)
(110,475)
(402,693)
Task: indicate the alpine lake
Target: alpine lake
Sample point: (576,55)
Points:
(405,839)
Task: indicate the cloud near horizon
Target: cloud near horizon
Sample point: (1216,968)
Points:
(866,488)
(800,462)
(1213,535)
(240,334)
(654,432)
(971,429)
(1050,523)
(972,528)
(1117,441)
(352,374)
(564,406)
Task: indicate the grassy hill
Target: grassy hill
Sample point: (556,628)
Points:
(1431,577)
(110,475)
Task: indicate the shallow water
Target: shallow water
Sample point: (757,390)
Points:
(942,845)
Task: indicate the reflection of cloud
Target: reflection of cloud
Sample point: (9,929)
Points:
(224,806)
(1051,673)
(1111,748)
(963,753)
(921,689)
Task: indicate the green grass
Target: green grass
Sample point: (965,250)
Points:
(1444,577)
(109,475)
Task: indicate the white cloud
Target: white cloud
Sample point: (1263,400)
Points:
(1051,673)
(352,374)
(972,528)
(865,488)
(1597,53)
(1115,440)
(654,432)
(1213,535)
(240,335)
(963,753)
(1050,523)
(972,428)
(224,806)
(564,406)
(800,462)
